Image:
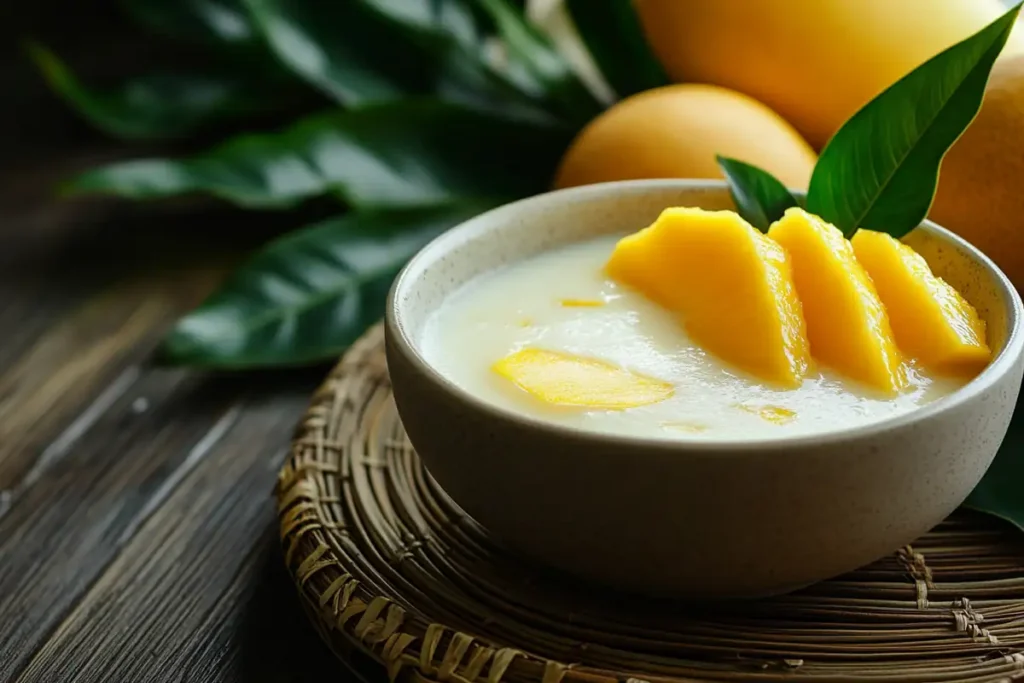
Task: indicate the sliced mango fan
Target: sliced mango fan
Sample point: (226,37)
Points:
(801,288)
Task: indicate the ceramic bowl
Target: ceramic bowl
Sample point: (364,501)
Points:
(691,518)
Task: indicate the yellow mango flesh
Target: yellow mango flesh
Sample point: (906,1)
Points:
(847,325)
(566,380)
(815,62)
(581,303)
(774,414)
(731,285)
(931,321)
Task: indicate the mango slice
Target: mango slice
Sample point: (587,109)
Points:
(581,303)
(774,414)
(567,380)
(685,427)
(931,321)
(847,324)
(731,284)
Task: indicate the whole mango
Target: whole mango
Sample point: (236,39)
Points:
(676,131)
(815,62)
(979,195)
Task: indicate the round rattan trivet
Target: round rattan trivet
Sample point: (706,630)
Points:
(389,568)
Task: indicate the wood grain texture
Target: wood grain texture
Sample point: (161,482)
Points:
(71,520)
(137,530)
(207,544)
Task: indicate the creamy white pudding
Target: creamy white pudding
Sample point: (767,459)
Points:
(562,301)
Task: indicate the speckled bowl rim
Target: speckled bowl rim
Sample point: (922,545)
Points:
(400,340)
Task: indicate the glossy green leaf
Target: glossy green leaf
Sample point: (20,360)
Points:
(446,37)
(880,169)
(613,35)
(343,48)
(537,66)
(367,51)
(397,154)
(760,197)
(452,18)
(999,492)
(223,22)
(310,294)
(159,105)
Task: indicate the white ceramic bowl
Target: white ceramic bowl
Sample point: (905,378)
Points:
(690,518)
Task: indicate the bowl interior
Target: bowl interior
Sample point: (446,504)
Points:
(529,227)
(517,231)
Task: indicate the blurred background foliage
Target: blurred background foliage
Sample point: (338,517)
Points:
(372,106)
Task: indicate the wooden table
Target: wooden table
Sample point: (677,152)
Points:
(138,537)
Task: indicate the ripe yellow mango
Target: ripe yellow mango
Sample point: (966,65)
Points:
(931,321)
(676,131)
(979,195)
(567,380)
(847,324)
(731,285)
(815,62)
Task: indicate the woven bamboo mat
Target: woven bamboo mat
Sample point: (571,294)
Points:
(390,569)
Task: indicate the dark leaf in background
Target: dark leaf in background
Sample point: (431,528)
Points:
(612,33)
(310,294)
(999,492)
(538,67)
(760,197)
(398,154)
(158,106)
(879,171)
(212,22)
(448,36)
(367,51)
(454,18)
(346,49)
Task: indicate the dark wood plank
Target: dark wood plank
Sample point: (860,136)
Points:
(99,447)
(87,289)
(188,590)
(137,533)
(83,358)
(65,528)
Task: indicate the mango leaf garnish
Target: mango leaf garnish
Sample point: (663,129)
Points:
(305,297)
(760,197)
(880,170)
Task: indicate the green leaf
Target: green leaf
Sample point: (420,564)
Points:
(538,67)
(367,51)
(612,33)
(310,294)
(207,21)
(760,197)
(880,169)
(447,36)
(156,106)
(341,47)
(399,154)
(452,18)
(999,492)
